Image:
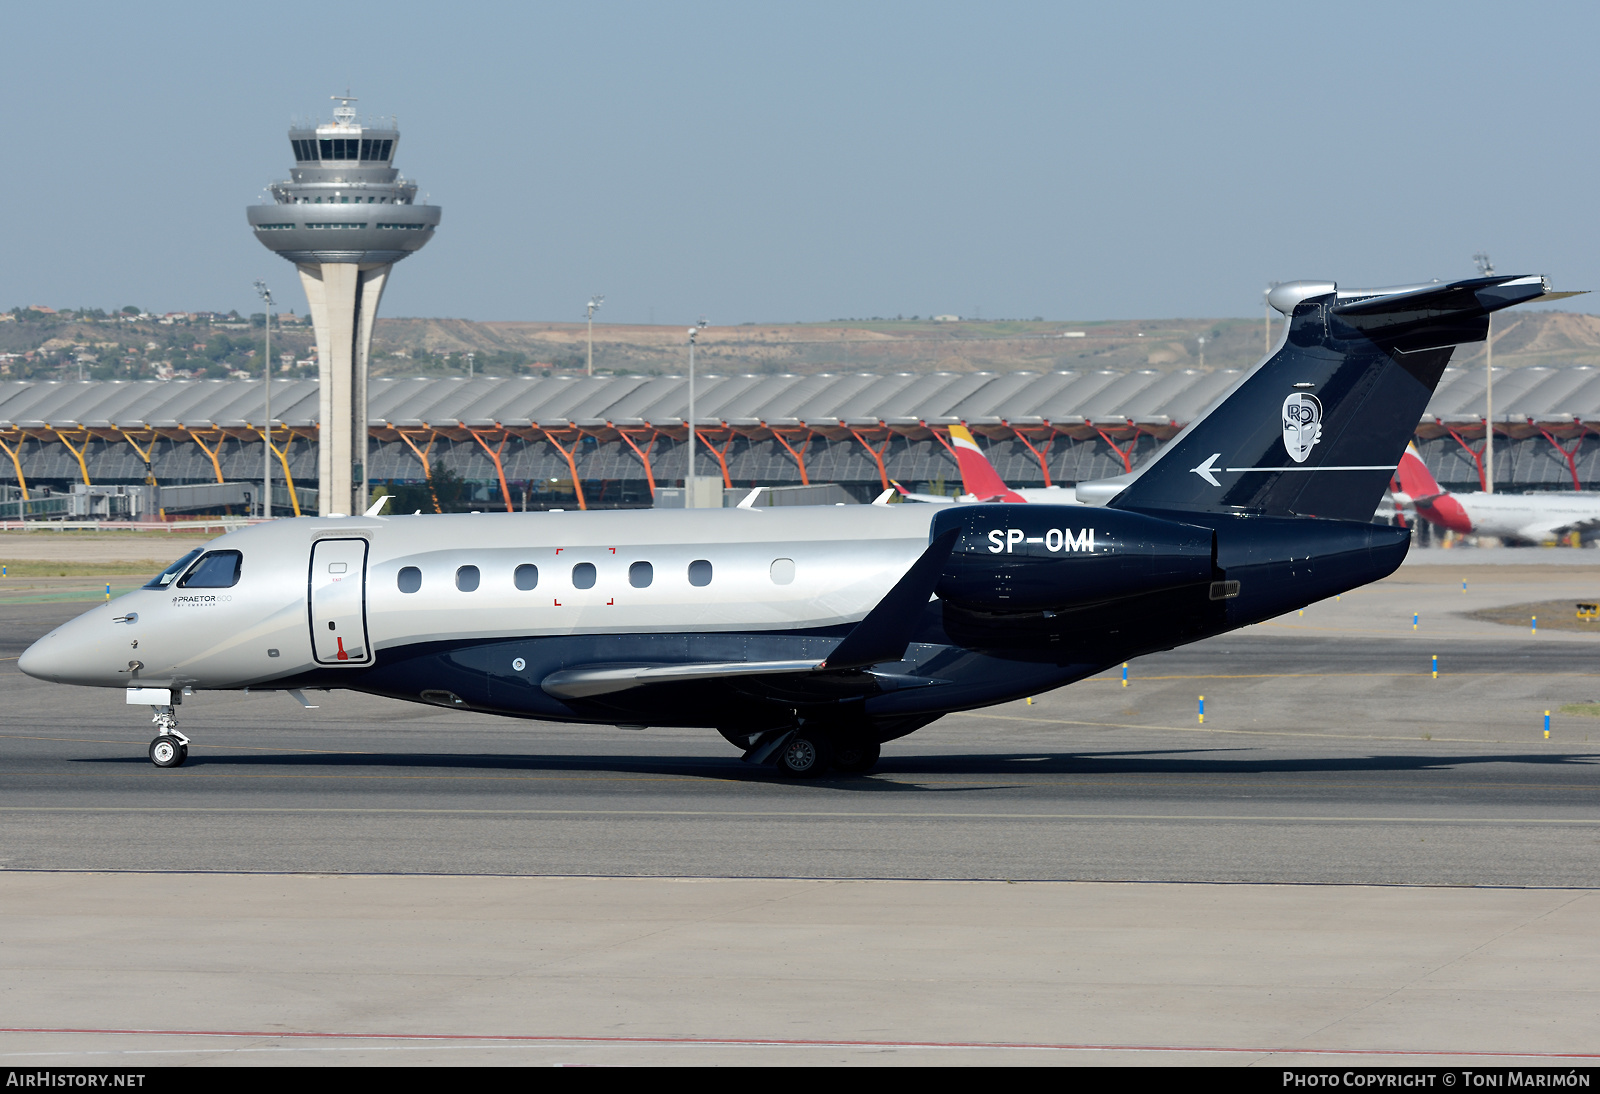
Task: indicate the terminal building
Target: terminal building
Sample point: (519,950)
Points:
(608,442)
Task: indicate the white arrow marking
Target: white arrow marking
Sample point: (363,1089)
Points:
(1205,470)
(1351,467)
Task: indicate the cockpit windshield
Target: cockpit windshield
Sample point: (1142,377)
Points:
(169,575)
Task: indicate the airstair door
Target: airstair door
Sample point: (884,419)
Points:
(338,602)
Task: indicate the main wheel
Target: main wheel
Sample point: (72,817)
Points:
(857,757)
(806,756)
(168,751)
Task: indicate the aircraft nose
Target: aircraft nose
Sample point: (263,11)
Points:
(73,653)
(50,658)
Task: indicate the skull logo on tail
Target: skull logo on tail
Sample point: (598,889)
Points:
(1302,425)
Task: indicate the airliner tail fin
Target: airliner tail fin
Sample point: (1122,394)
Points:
(978,476)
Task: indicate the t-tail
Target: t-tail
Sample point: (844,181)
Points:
(1318,427)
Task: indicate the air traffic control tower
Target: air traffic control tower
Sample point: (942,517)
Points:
(344,218)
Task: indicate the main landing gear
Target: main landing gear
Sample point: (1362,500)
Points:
(810,753)
(170,748)
(806,755)
(857,757)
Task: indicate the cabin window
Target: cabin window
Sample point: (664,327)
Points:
(782,571)
(467,579)
(583,575)
(699,573)
(409,579)
(526,576)
(215,570)
(640,574)
(170,574)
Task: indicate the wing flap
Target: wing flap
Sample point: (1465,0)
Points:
(605,679)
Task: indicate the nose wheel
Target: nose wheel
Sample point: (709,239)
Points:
(170,748)
(168,751)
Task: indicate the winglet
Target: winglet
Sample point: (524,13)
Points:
(886,631)
(377,507)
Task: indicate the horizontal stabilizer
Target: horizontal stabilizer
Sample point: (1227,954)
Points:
(886,631)
(1435,316)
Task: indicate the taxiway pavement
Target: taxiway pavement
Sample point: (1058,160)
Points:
(1331,767)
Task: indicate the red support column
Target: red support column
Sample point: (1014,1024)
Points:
(644,457)
(572,463)
(877,454)
(1477,456)
(422,458)
(800,456)
(494,454)
(1570,457)
(720,454)
(1044,465)
(1127,456)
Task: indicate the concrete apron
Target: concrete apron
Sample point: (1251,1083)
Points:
(259,969)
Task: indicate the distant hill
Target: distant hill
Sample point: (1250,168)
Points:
(430,346)
(63,346)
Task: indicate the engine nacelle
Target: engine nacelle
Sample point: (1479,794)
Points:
(1028,558)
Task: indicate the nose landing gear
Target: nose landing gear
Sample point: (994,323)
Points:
(170,748)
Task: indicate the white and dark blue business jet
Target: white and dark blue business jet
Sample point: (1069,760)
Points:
(809,636)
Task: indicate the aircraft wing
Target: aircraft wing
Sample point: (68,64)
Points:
(1544,531)
(926,499)
(605,679)
(881,637)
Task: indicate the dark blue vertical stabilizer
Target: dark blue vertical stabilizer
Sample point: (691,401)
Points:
(1317,428)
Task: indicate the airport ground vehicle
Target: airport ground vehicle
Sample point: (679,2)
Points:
(809,637)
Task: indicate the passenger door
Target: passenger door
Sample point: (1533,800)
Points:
(338,602)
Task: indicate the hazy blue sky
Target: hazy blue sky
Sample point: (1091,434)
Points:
(776,162)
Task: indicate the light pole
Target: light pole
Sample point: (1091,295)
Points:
(470,355)
(266,428)
(1202,351)
(688,476)
(594,305)
(1486,269)
(1266,307)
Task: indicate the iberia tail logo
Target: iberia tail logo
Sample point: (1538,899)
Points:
(978,476)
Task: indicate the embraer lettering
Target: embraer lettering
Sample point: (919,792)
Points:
(1002,540)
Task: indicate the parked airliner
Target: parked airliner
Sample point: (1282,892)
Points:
(809,636)
(980,482)
(1531,518)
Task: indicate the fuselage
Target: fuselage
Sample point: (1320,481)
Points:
(497,612)
(1037,495)
(1533,517)
(593,574)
